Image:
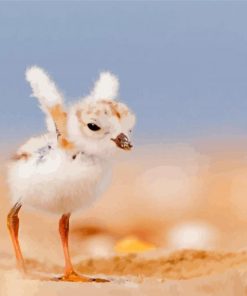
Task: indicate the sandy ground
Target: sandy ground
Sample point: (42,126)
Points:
(175,198)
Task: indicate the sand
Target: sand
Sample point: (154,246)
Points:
(181,273)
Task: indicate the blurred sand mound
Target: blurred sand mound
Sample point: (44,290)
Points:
(185,264)
(179,265)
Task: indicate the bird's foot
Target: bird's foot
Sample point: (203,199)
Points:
(75,277)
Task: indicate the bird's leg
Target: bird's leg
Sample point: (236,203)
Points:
(13,227)
(64,234)
(69,273)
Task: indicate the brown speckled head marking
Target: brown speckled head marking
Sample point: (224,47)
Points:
(78,115)
(21,156)
(125,112)
(113,107)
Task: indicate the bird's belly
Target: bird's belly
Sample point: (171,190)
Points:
(58,185)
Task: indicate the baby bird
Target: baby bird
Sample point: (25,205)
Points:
(67,168)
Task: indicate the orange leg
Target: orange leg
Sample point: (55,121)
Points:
(13,227)
(69,273)
(64,234)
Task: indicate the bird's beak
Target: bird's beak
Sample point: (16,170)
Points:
(122,142)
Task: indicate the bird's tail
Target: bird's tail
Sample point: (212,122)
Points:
(50,99)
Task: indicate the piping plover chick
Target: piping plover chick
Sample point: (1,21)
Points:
(67,168)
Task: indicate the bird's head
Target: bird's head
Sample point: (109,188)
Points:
(99,123)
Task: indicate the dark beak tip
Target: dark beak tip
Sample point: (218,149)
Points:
(122,142)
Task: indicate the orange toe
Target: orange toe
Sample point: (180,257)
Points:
(74,277)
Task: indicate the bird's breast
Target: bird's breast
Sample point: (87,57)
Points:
(53,178)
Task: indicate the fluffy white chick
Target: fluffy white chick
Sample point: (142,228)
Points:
(66,169)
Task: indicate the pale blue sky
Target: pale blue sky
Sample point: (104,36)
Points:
(182,65)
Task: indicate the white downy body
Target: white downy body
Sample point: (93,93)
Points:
(56,181)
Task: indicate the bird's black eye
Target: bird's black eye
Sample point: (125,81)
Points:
(93,127)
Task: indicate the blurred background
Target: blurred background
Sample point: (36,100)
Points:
(183,70)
